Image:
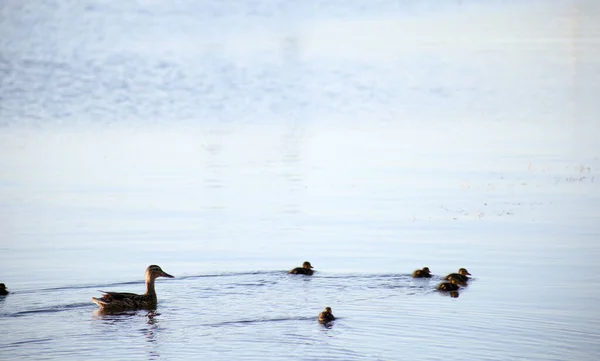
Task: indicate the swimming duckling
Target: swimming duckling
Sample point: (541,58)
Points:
(448,286)
(422,273)
(120,301)
(306,269)
(3,290)
(461,276)
(326,316)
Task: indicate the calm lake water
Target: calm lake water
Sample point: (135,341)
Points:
(229,141)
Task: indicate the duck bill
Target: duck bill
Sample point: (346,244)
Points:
(468,273)
(165,274)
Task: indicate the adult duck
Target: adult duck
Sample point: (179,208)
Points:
(422,273)
(121,301)
(306,269)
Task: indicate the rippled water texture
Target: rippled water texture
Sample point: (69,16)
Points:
(229,141)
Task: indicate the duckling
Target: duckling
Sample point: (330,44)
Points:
(120,301)
(422,273)
(461,276)
(326,316)
(306,269)
(3,290)
(448,286)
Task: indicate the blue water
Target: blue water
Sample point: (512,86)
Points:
(228,142)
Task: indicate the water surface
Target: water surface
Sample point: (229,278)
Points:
(230,142)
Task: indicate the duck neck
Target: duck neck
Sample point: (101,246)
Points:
(150,286)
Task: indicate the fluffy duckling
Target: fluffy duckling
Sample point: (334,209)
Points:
(448,286)
(3,290)
(462,276)
(326,316)
(422,273)
(306,269)
(120,301)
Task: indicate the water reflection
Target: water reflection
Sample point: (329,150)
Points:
(112,317)
(452,294)
(127,320)
(327,325)
(152,320)
(103,312)
(151,332)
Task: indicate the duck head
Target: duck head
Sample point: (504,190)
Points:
(306,264)
(154,271)
(463,272)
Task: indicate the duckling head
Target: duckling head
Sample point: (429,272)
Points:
(154,271)
(328,309)
(306,264)
(2,287)
(463,272)
(426,270)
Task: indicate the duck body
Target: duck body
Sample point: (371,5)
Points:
(306,269)
(3,290)
(121,301)
(462,276)
(422,273)
(302,271)
(326,316)
(448,286)
(461,280)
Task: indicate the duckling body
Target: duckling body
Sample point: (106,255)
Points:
(462,276)
(448,286)
(306,269)
(326,316)
(3,290)
(120,301)
(422,273)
